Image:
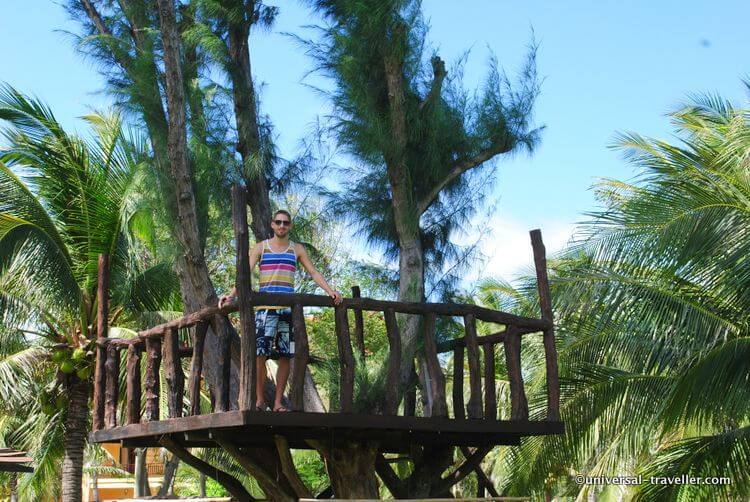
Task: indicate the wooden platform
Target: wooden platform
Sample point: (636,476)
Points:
(396,433)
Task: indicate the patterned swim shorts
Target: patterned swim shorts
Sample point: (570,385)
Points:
(274,336)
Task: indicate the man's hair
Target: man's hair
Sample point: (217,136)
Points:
(282,211)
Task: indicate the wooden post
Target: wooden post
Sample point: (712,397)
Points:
(359,325)
(242,284)
(151,384)
(474,408)
(545,302)
(102,314)
(225,365)
(301,358)
(390,406)
(133,384)
(490,399)
(458,382)
(112,369)
(437,379)
(196,367)
(173,374)
(410,397)
(518,403)
(346,359)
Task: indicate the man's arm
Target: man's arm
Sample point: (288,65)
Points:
(254,258)
(304,259)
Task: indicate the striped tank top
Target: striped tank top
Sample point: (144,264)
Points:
(277,271)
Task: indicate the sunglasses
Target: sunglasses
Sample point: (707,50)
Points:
(283,223)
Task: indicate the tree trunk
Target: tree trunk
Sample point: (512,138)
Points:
(12,482)
(351,469)
(142,489)
(248,132)
(202,485)
(95,483)
(170,468)
(76,425)
(195,283)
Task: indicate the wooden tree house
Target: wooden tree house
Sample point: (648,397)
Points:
(233,424)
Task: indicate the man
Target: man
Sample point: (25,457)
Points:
(278,257)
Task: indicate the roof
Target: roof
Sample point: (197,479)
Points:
(13,460)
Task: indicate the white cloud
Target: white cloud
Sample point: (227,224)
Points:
(507,248)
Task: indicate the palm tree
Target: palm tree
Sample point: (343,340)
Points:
(652,302)
(64,200)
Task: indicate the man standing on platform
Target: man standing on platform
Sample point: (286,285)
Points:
(278,257)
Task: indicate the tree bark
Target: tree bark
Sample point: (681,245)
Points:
(351,469)
(13,481)
(76,425)
(248,132)
(142,488)
(170,468)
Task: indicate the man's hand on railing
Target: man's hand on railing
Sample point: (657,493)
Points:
(224,299)
(337,298)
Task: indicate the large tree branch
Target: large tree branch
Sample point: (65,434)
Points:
(458,169)
(95,17)
(439,73)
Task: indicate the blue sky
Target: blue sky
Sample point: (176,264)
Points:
(608,66)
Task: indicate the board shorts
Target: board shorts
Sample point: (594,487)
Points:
(274,336)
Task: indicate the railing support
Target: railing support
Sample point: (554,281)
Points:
(437,379)
(394,362)
(112,369)
(133,384)
(301,358)
(346,359)
(490,398)
(545,302)
(196,367)
(474,408)
(458,383)
(173,373)
(247,394)
(518,403)
(151,384)
(359,325)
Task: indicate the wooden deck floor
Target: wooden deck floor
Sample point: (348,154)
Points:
(396,433)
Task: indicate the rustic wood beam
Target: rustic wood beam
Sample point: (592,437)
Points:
(443,309)
(545,302)
(474,407)
(102,331)
(458,383)
(390,479)
(173,374)
(392,393)
(288,468)
(519,405)
(233,486)
(257,468)
(484,480)
(359,325)
(112,369)
(133,384)
(464,469)
(301,358)
(196,367)
(244,294)
(346,360)
(490,398)
(437,379)
(151,383)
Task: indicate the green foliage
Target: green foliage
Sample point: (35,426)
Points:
(446,127)
(64,199)
(652,305)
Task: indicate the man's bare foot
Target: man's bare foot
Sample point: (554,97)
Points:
(281,408)
(261,407)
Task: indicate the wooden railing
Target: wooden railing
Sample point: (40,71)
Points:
(160,347)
